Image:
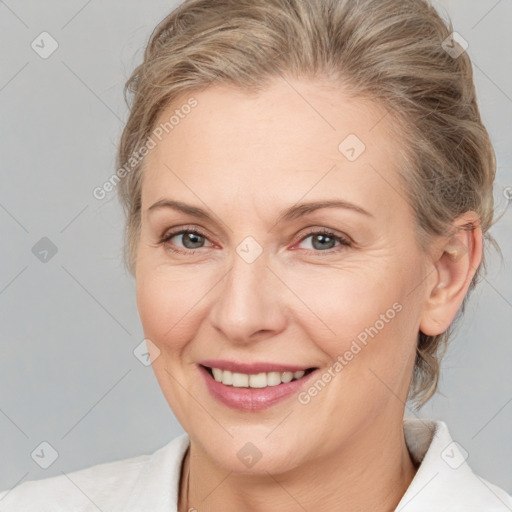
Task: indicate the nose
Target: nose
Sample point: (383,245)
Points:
(248,304)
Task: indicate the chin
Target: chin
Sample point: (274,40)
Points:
(249,453)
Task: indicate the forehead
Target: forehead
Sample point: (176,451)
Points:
(295,137)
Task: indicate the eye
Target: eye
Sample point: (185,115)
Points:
(325,241)
(190,238)
(322,241)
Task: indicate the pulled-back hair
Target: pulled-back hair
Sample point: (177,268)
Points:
(392,52)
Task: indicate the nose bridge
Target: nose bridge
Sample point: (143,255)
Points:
(248,301)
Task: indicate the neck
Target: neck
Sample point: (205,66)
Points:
(371,473)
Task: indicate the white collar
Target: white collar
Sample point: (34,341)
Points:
(443,482)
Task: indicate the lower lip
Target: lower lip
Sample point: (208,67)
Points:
(252,399)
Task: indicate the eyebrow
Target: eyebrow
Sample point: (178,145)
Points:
(293,212)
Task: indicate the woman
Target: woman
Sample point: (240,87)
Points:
(307,186)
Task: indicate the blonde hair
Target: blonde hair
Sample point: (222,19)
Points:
(387,51)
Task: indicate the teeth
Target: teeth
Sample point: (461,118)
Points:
(286,376)
(240,380)
(258,380)
(226,377)
(273,379)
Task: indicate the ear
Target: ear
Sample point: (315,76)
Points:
(455,261)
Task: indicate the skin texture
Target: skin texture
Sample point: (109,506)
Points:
(245,158)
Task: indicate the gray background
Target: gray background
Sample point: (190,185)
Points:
(69,325)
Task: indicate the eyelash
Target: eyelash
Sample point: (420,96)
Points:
(344,242)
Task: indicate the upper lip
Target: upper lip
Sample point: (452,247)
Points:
(253,368)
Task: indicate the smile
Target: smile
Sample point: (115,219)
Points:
(255,390)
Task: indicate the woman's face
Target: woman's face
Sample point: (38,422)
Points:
(258,286)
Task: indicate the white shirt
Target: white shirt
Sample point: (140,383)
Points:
(150,483)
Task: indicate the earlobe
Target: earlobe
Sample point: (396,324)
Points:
(454,267)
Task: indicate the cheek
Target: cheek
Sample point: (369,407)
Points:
(342,302)
(165,307)
(364,315)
